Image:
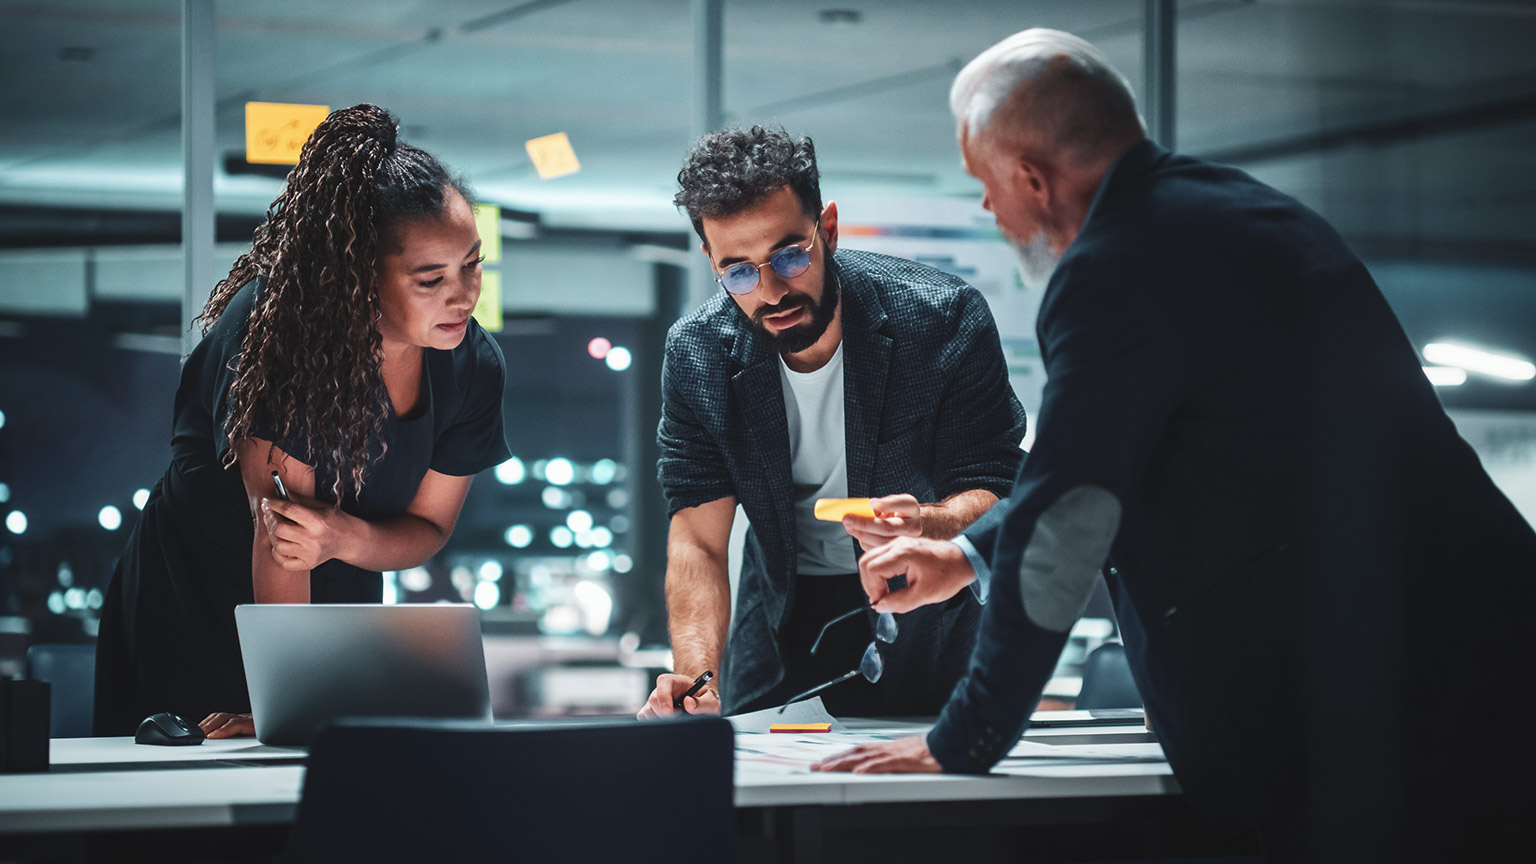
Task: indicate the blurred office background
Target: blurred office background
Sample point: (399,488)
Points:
(1410,124)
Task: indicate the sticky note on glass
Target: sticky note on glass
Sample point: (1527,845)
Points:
(275,132)
(552,155)
(488,223)
(834,509)
(800,727)
(488,309)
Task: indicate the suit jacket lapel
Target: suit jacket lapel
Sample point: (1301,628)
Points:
(866,361)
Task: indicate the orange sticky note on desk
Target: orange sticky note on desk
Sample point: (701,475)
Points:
(275,132)
(800,727)
(834,509)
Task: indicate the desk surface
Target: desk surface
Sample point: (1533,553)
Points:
(114,784)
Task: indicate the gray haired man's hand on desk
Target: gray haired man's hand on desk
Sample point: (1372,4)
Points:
(902,756)
(669,686)
(935,571)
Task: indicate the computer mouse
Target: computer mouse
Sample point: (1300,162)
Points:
(166,728)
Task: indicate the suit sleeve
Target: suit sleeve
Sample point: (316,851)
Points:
(980,420)
(692,469)
(1113,366)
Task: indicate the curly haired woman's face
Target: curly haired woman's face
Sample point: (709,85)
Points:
(429,281)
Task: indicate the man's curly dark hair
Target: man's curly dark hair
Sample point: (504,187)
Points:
(731,170)
(309,365)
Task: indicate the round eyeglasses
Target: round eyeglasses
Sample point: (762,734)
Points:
(871,665)
(789,262)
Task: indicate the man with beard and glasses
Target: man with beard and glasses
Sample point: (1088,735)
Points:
(817,373)
(1325,600)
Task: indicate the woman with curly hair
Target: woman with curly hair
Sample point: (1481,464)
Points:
(339,355)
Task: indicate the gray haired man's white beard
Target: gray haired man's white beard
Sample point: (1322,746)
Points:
(1037,261)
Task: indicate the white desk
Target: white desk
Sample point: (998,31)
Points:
(114,785)
(1135,774)
(215,783)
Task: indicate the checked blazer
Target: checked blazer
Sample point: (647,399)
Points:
(929,412)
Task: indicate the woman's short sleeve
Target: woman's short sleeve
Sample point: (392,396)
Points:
(474,438)
(217,359)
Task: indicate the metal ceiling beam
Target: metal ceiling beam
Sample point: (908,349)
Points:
(708,112)
(1383,132)
(198,38)
(1160,76)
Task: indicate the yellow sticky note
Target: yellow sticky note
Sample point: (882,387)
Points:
(275,132)
(488,310)
(552,155)
(488,223)
(834,509)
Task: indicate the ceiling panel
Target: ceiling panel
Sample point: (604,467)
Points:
(91,91)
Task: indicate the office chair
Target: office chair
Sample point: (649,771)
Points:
(382,790)
(1107,681)
(70,669)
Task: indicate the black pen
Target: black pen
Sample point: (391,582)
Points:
(698,684)
(282,491)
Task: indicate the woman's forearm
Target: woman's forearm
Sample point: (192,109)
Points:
(269,581)
(395,543)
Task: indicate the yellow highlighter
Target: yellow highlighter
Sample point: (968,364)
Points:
(800,727)
(834,509)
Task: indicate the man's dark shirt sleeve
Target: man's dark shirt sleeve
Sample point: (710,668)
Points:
(1112,365)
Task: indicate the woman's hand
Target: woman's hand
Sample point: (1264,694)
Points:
(304,536)
(222,725)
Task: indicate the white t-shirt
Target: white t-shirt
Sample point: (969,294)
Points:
(818,453)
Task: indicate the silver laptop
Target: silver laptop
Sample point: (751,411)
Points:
(308,664)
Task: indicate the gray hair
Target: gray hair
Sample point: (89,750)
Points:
(1082,103)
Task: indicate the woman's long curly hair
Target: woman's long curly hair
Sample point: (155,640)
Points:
(309,366)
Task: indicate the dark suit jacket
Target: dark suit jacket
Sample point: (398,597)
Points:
(1311,567)
(929,412)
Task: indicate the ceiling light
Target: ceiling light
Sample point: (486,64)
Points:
(1445,376)
(1478,360)
(840,17)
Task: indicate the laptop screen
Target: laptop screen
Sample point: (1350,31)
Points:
(308,664)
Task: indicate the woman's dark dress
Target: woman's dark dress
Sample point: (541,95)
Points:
(167,639)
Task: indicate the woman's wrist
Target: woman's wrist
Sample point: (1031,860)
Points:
(351,537)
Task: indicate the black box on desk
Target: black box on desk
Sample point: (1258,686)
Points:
(23,726)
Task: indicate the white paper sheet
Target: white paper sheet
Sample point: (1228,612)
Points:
(1109,752)
(809,711)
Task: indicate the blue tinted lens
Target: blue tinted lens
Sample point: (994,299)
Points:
(790,261)
(739,278)
(872,666)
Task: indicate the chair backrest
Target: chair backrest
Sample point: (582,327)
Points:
(70,669)
(393,790)
(1107,681)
